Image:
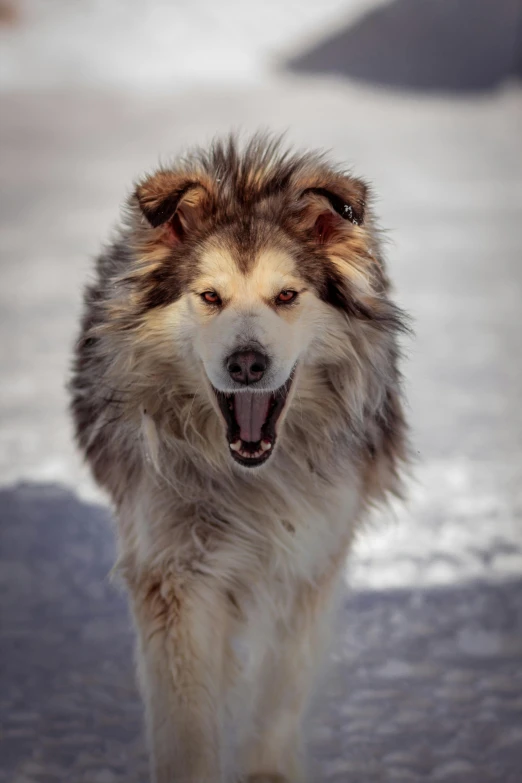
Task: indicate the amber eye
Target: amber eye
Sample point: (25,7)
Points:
(210,297)
(286,296)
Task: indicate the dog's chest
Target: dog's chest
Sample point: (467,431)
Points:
(313,529)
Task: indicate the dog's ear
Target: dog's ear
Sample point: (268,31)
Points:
(332,213)
(329,208)
(175,201)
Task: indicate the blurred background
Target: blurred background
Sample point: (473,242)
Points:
(424,99)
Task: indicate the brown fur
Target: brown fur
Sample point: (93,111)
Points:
(214,556)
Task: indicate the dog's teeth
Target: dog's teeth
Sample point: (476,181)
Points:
(237,446)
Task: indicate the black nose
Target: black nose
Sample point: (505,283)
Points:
(247,366)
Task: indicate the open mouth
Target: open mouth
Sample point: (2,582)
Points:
(251,418)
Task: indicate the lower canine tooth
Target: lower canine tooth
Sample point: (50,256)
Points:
(236,446)
(265,445)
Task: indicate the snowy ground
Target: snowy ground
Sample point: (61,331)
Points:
(161,45)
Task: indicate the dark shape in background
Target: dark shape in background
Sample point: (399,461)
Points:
(445,45)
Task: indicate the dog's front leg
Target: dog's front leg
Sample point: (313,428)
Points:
(286,681)
(180,650)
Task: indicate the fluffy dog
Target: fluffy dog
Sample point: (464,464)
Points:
(236,392)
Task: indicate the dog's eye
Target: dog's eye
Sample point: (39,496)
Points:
(286,296)
(210,297)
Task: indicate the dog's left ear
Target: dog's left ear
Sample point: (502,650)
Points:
(328,208)
(177,201)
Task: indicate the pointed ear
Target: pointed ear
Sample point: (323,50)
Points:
(329,207)
(176,201)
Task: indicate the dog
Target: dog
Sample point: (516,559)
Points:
(236,391)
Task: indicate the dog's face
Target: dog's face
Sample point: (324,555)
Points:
(250,328)
(255,273)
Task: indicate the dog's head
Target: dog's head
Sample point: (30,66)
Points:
(249,266)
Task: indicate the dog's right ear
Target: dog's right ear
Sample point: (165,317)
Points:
(178,202)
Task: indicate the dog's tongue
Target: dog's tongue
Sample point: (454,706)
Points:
(251,411)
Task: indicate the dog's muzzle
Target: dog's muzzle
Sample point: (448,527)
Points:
(251,418)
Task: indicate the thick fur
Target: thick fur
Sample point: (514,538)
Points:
(231,572)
